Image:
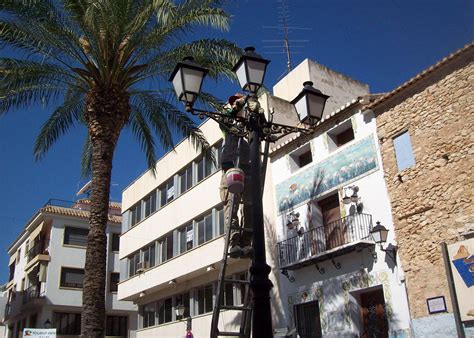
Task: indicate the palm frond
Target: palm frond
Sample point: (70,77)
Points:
(59,123)
(218,55)
(86,158)
(144,136)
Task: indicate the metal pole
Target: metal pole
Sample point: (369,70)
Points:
(452,291)
(260,284)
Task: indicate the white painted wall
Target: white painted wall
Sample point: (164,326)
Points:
(374,196)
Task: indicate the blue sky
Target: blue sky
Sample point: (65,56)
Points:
(380,42)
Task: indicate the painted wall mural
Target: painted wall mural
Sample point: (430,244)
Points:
(345,165)
(462,265)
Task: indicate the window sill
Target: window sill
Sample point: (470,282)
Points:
(70,288)
(74,246)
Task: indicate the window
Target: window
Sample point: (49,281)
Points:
(218,154)
(167,248)
(220,220)
(12,271)
(133,264)
(184,299)
(186,179)
(149,254)
(150,204)
(300,157)
(186,237)
(149,314)
(204,168)
(136,214)
(403,151)
(115,246)
(167,192)
(228,298)
(114,280)
(340,135)
(165,313)
(204,299)
(67,323)
(72,278)
(204,229)
(76,236)
(116,326)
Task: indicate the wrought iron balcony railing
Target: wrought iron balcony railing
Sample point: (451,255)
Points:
(327,238)
(33,292)
(8,308)
(35,250)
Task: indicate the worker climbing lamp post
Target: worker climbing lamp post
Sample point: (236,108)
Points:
(250,69)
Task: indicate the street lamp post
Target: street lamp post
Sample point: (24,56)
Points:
(250,70)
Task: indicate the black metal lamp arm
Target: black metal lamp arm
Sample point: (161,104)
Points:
(241,126)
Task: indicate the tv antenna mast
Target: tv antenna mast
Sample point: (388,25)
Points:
(284,29)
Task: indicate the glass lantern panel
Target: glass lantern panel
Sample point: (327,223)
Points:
(178,84)
(193,80)
(256,71)
(316,106)
(240,72)
(301,108)
(383,235)
(376,236)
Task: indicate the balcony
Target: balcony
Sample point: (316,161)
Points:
(325,242)
(32,293)
(36,254)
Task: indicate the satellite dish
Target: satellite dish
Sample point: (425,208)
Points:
(85,189)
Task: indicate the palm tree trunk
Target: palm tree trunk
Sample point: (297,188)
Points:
(107,112)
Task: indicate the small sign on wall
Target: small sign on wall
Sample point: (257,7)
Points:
(436,305)
(39,333)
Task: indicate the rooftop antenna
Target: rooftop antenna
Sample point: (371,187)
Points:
(283,20)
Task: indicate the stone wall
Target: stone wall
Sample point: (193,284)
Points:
(432,202)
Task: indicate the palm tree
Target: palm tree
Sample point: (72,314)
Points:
(94,60)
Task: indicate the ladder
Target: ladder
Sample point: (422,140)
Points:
(246,307)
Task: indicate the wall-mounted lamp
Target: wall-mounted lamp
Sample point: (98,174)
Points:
(292,220)
(142,294)
(179,310)
(47,324)
(172,282)
(351,196)
(379,234)
(210,268)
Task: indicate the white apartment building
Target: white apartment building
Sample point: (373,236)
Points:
(335,281)
(47,269)
(173,241)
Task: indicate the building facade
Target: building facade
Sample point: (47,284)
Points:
(425,130)
(328,192)
(172,237)
(47,269)
(173,241)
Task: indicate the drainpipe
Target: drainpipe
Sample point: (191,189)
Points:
(452,291)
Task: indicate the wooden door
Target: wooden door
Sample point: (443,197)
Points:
(331,219)
(374,318)
(308,323)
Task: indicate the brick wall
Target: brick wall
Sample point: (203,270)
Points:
(432,201)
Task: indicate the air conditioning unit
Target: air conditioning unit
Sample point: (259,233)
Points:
(142,266)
